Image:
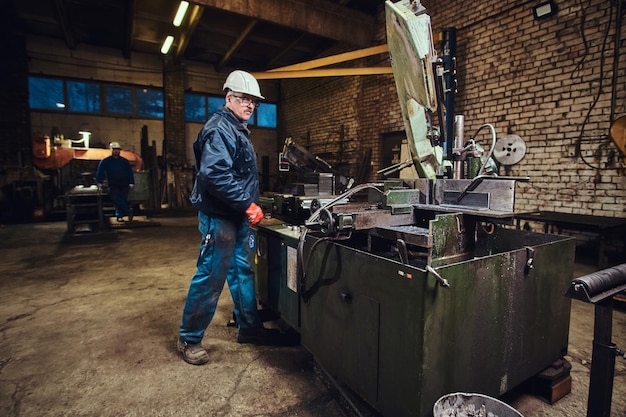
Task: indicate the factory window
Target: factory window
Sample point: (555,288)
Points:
(77,96)
(199,107)
(83,97)
(46,93)
(150,102)
(266,115)
(215,103)
(195,108)
(118,100)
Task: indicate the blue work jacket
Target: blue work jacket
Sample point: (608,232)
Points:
(117,171)
(227,180)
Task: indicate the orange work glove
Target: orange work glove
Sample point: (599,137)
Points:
(254,213)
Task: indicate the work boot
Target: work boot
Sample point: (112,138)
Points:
(192,353)
(267,337)
(120,219)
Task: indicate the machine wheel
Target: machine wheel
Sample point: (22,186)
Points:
(327,222)
(315,205)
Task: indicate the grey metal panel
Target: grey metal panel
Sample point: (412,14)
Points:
(501,192)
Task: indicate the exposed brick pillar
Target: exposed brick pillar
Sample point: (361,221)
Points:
(174,113)
(174,147)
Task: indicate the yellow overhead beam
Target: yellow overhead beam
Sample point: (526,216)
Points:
(312,68)
(329,72)
(334,59)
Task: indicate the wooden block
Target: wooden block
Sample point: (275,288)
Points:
(553,383)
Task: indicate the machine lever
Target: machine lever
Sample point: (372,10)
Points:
(440,280)
(530,255)
(402,251)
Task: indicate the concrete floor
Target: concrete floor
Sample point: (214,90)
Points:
(89,329)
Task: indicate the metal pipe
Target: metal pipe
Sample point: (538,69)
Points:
(459,140)
(602,361)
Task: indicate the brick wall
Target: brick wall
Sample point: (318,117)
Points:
(548,81)
(313,112)
(174,108)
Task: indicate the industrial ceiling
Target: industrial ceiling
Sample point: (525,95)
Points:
(255,35)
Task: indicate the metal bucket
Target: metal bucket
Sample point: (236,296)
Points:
(462,404)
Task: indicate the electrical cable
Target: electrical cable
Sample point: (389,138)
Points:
(302,261)
(616,44)
(481,171)
(579,140)
(583,20)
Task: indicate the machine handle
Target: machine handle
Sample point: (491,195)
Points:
(440,280)
(530,260)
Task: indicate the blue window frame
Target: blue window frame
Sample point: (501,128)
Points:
(266,115)
(83,96)
(195,108)
(215,103)
(119,100)
(77,96)
(46,93)
(199,107)
(149,102)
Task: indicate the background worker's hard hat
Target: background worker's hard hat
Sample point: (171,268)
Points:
(115,145)
(244,83)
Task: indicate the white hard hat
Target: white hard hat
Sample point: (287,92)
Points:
(243,82)
(115,145)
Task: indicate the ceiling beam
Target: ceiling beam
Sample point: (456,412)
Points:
(320,17)
(195,14)
(70,41)
(286,49)
(129,28)
(325,72)
(236,45)
(335,59)
(312,68)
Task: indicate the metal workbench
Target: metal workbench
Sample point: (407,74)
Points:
(606,228)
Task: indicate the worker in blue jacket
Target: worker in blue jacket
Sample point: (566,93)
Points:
(120,180)
(225,192)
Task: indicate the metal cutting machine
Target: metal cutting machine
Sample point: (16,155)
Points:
(406,290)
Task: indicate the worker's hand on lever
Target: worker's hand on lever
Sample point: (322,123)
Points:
(254,213)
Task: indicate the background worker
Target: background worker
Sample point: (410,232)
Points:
(225,193)
(120,179)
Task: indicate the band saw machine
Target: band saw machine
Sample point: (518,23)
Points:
(407,290)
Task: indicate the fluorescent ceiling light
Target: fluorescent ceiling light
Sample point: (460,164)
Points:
(180,14)
(167,44)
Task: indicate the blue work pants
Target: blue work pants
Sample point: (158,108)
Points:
(119,196)
(224,255)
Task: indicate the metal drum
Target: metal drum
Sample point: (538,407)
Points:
(463,404)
